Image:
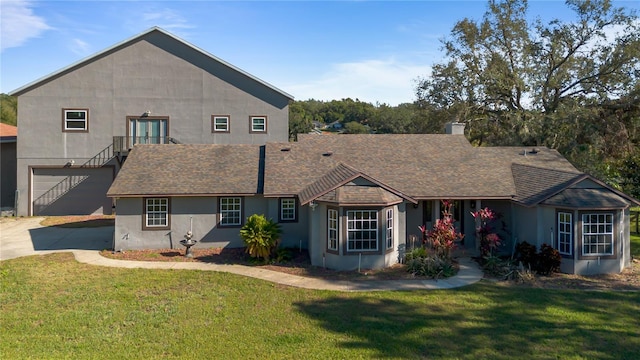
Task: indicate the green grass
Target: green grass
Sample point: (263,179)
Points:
(53,307)
(635,246)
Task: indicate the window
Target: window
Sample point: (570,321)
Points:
(362,230)
(389,231)
(75,120)
(258,124)
(230,211)
(597,234)
(156,213)
(332,230)
(220,123)
(288,209)
(565,233)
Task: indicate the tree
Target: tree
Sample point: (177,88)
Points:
(354,127)
(9,109)
(569,86)
(261,236)
(299,121)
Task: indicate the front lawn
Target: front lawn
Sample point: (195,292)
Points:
(53,307)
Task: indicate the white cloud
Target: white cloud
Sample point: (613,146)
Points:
(80,47)
(166,18)
(18,23)
(384,81)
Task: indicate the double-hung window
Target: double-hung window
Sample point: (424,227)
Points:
(597,234)
(156,213)
(220,123)
(565,233)
(389,229)
(332,230)
(75,120)
(288,209)
(230,211)
(258,124)
(362,230)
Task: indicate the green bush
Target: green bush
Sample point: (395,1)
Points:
(421,263)
(260,236)
(548,260)
(526,253)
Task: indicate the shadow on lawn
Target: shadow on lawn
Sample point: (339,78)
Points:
(484,321)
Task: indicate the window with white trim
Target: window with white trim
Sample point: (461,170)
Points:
(220,123)
(288,209)
(75,120)
(258,123)
(230,211)
(597,234)
(362,230)
(156,212)
(332,229)
(565,233)
(389,230)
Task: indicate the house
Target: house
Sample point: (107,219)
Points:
(8,139)
(356,201)
(78,124)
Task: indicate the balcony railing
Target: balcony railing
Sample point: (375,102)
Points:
(125,143)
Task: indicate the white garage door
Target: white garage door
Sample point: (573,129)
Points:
(71,191)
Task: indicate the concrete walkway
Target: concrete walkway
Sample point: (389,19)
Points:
(17,239)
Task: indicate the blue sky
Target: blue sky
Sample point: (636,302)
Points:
(370,50)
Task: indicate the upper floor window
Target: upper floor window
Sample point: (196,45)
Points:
(156,213)
(288,209)
(220,123)
(258,124)
(362,230)
(75,120)
(230,209)
(597,234)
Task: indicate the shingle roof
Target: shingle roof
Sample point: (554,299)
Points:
(535,184)
(587,198)
(422,166)
(8,130)
(336,178)
(360,195)
(189,170)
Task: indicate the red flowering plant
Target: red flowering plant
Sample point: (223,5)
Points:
(444,236)
(489,240)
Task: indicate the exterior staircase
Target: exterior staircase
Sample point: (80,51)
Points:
(118,149)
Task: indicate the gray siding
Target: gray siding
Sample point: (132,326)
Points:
(155,74)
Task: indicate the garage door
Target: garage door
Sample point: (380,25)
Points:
(71,191)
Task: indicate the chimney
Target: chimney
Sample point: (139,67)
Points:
(454,128)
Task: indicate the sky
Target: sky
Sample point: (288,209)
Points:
(373,51)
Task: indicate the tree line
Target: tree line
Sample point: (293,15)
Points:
(571,86)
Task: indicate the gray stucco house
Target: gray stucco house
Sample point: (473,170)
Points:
(358,199)
(78,124)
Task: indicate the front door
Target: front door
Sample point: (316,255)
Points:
(147,131)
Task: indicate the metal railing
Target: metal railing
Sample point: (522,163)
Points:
(67,184)
(125,143)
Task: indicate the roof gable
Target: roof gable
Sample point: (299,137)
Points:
(342,177)
(185,51)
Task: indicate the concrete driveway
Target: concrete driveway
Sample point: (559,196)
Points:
(25,236)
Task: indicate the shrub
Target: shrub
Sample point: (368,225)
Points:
(489,240)
(444,236)
(421,263)
(545,262)
(548,260)
(261,236)
(526,253)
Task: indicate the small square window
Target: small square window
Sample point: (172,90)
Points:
(75,120)
(230,211)
(258,124)
(220,123)
(288,209)
(156,214)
